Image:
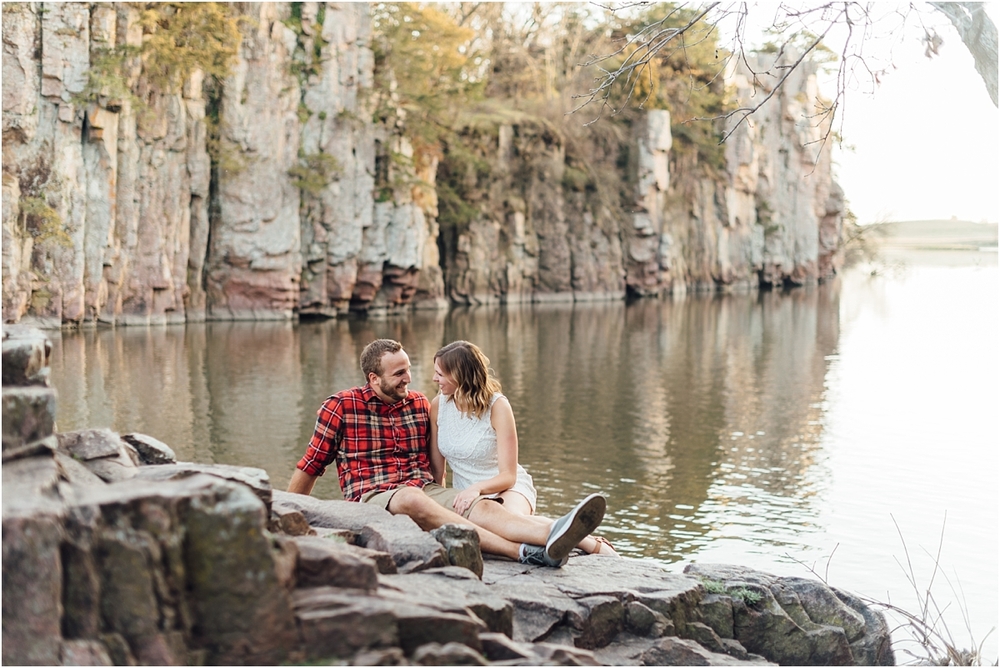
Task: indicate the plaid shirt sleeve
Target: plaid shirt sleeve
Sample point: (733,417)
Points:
(326,438)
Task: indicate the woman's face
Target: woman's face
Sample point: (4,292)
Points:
(444,381)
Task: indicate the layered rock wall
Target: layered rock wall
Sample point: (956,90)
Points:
(275,193)
(115,211)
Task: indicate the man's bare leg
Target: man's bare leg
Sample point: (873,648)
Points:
(429,514)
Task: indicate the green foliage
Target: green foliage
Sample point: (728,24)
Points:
(747,596)
(40,300)
(105,77)
(460,173)
(307,59)
(421,55)
(225,157)
(686,78)
(181,37)
(315,172)
(575,178)
(303,112)
(43,222)
(178,38)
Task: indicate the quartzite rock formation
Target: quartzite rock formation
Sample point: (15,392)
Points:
(115,554)
(114,211)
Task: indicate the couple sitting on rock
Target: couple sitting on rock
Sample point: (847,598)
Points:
(390,445)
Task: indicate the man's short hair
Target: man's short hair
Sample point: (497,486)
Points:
(371,356)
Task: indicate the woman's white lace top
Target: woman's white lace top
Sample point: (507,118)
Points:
(470,446)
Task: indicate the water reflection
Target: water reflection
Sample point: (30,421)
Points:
(756,429)
(692,415)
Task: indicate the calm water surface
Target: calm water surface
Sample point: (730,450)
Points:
(840,428)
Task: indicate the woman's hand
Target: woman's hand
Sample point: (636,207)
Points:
(464,500)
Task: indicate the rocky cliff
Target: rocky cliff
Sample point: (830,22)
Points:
(275,191)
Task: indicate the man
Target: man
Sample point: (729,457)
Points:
(379,437)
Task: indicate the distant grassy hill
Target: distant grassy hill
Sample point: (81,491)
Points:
(936,234)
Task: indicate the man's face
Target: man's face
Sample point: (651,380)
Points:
(391,385)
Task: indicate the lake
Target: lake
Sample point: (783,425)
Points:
(848,429)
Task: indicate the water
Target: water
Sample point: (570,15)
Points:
(840,429)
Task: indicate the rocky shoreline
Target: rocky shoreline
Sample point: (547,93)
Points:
(116,554)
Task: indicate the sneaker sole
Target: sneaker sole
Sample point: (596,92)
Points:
(587,516)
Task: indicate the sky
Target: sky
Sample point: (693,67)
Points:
(921,144)
(925,142)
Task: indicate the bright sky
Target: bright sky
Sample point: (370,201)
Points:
(926,143)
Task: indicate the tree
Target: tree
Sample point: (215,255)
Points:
(798,32)
(980,36)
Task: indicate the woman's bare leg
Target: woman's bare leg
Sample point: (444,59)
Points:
(516,503)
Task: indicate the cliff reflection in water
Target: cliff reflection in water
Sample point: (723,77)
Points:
(693,415)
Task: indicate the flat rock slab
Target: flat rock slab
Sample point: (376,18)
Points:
(102,451)
(256,479)
(412,548)
(451,589)
(585,603)
(668,652)
(327,562)
(336,623)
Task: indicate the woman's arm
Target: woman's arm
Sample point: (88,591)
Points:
(437,459)
(502,420)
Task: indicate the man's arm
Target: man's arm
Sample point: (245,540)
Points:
(302,482)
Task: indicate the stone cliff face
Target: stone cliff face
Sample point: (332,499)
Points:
(276,194)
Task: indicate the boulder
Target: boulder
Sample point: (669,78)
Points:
(412,548)
(180,569)
(32,587)
(461,544)
(29,415)
(102,451)
(793,620)
(326,562)
(289,522)
(152,452)
(26,352)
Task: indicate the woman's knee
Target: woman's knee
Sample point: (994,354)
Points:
(516,503)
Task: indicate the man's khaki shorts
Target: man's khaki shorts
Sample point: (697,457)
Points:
(445,496)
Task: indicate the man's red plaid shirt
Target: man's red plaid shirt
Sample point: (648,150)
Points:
(377,446)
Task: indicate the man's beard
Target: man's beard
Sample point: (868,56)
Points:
(397,392)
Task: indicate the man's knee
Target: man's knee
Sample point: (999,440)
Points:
(409,501)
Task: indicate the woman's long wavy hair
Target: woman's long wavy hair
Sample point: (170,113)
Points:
(470,369)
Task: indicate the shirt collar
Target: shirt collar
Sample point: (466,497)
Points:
(370,397)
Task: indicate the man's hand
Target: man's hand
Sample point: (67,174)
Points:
(302,482)
(464,499)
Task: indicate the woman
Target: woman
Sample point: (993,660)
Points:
(472,428)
